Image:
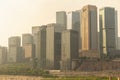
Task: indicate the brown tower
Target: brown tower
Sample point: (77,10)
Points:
(89,35)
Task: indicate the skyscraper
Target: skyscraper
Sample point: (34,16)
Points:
(28,46)
(41,47)
(89,36)
(35,30)
(116,29)
(53,46)
(107,30)
(73,20)
(118,43)
(15,51)
(69,49)
(61,19)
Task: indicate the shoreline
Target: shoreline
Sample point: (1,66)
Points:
(19,77)
(112,73)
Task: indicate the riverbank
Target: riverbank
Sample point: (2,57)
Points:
(12,77)
(26,72)
(16,77)
(111,73)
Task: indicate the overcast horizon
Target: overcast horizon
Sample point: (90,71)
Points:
(18,16)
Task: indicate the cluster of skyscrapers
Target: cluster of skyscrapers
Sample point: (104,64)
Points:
(74,35)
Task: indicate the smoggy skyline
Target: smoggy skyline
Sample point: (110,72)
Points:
(18,16)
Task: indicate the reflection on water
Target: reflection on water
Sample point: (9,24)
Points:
(7,77)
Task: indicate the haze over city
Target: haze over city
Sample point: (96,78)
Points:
(18,16)
(59,39)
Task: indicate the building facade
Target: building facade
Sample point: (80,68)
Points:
(41,47)
(61,18)
(116,29)
(118,43)
(73,20)
(3,55)
(35,30)
(15,53)
(69,49)
(27,39)
(53,47)
(28,46)
(107,30)
(89,33)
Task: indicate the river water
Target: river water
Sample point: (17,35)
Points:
(10,77)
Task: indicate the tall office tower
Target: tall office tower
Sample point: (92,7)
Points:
(15,51)
(73,20)
(3,55)
(107,30)
(28,46)
(116,29)
(61,19)
(89,32)
(53,46)
(35,30)
(118,43)
(69,49)
(41,47)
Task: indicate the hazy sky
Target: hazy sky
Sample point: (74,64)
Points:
(18,16)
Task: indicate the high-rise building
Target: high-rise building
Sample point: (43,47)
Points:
(28,46)
(118,43)
(53,46)
(116,29)
(73,20)
(14,41)
(107,30)
(35,30)
(3,55)
(69,49)
(15,51)
(89,33)
(61,19)
(27,39)
(41,47)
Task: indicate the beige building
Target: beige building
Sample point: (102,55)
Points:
(41,47)
(3,55)
(15,53)
(61,18)
(27,44)
(14,41)
(89,36)
(116,29)
(28,52)
(53,46)
(35,30)
(27,39)
(69,48)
